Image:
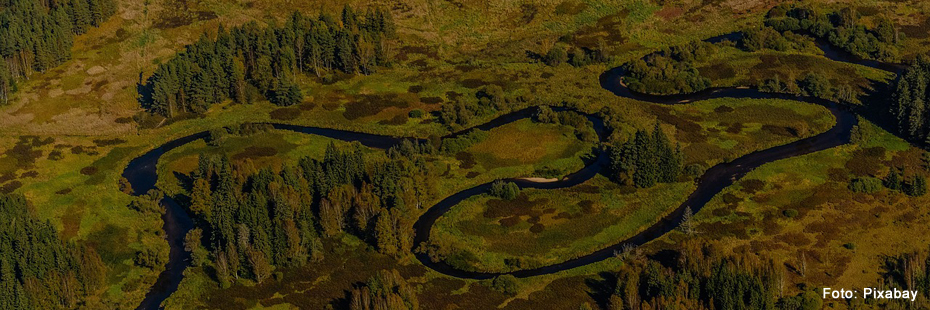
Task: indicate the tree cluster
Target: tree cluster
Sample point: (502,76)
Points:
(915,185)
(584,129)
(256,219)
(670,71)
(385,290)
(909,105)
(37,269)
(37,35)
(646,159)
(841,28)
(769,38)
(463,110)
(576,56)
(700,279)
(504,190)
(811,84)
(250,61)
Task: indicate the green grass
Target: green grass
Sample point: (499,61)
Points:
(543,227)
(716,130)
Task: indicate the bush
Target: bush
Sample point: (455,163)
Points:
(460,143)
(865,185)
(790,213)
(504,190)
(506,284)
(417,113)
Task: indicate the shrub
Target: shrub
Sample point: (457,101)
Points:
(506,284)
(790,213)
(417,113)
(504,190)
(865,185)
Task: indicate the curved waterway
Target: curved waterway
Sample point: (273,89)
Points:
(142,174)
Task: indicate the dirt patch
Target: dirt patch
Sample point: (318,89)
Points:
(285,114)
(63,191)
(256,152)
(29,174)
(431,100)
(472,174)
(108,142)
(467,160)
(522,205)
(537,228)
(10,187)
(89,170)
(399,119)
(369,105)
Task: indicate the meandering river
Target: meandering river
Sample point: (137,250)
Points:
(142,175)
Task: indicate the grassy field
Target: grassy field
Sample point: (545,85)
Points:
(717,130)
(800,210)
(543,227)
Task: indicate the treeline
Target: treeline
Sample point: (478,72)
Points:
(670,71)
(841,28)
(768,38)
(907,271)
(575,56)
(252,62)
(914,185)
(645,159)
(584,129)
(461,111)
(810,84)
(385,290)
(697,278)
(909,106)
(37,269)
(256,219)
(38,35)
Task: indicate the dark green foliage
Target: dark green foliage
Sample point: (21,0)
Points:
(385,290)
(461,111)
(670,71)
(251,61)
(909,101)
(504,190)
(841,28)
(38,35)
(37,269)
(416,113)
(790,213)
(865,185)
(816,85)
(584,129)
(256,220)
(916,186)
(645,160)
(696,280)
(506,284)
(460,143)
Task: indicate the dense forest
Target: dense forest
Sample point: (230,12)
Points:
(252,62)
(37,269)
(909,101)
(256,219)
(37,35)
(841,28)
(670,71)
(645,159)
